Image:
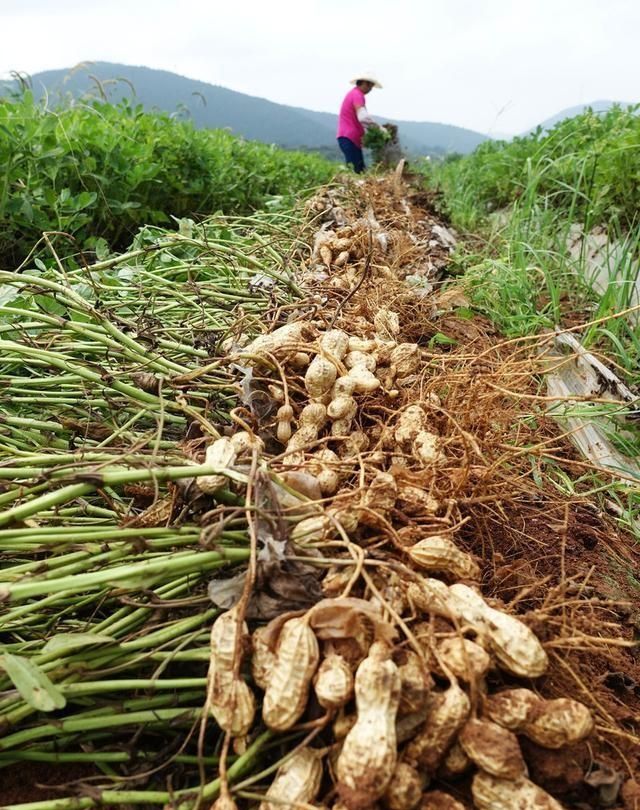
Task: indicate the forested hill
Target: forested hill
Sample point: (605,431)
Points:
(213,106)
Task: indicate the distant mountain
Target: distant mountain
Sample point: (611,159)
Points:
(571,112)
(212,106)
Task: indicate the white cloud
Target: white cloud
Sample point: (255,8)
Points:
(489,65)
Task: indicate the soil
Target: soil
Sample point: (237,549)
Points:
(40,781)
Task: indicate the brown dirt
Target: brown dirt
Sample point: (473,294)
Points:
(39,781)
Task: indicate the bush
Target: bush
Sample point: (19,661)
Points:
(588,166)
(101,171)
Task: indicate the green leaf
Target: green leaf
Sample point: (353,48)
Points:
(33,684)
(71,641)
(442,340)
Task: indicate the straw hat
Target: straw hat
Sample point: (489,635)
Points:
(367,76)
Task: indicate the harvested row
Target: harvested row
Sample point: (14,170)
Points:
(413,691)
(412,620)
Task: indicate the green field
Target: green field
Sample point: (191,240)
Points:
(93,173)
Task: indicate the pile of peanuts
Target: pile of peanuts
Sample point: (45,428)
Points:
(397,657)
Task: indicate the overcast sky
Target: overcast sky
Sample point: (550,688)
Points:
(498,66)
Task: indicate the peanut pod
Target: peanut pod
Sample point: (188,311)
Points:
(438,553)
(446,714)
(262,658)
(493,749)
(333,682)
(365,381)
(425,448)
(319,377)
(455,763)
(335,342)
(492,793)
(297,781)
(416,684)
(549,723)
(284,416)
(356,358)
(297,657)
(386,323)
(437,800)
(465,659)
(514,646)
(369,753)
(231,701)
(289,334)
(410,422)
(221,453)
(405,788)
(405,358)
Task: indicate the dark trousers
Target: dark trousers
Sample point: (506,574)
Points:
(352,154)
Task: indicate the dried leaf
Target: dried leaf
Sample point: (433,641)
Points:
(342,618)
(608,782)
(225,593)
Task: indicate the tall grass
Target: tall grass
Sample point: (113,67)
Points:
(524,197)
(521,203)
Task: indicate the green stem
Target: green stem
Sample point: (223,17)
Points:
(124,574)
(109,478)
(72,725)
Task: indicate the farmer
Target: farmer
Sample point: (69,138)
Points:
(354,118)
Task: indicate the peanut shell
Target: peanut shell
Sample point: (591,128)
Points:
(365,381)
(447,712)
(231,701)
(335,342)
(439,553)
(314,414)
(410,422)
(222,454)
(297,781)
(386,323)
(405,788)
(354,359)
(416,683)
(559,722)
(491,793)
(468,661)
(369,753)
(297,657)
(406,358)
(289,334)
(456,762)
(333,682)
(511,708)
(262,658)
(493,749)
(514,646)
(320,377)
(437,800)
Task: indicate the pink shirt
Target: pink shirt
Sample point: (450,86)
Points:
(348,124)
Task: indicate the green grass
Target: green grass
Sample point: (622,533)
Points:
(587,167)
(523,197)
(95,171)
(517,202)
